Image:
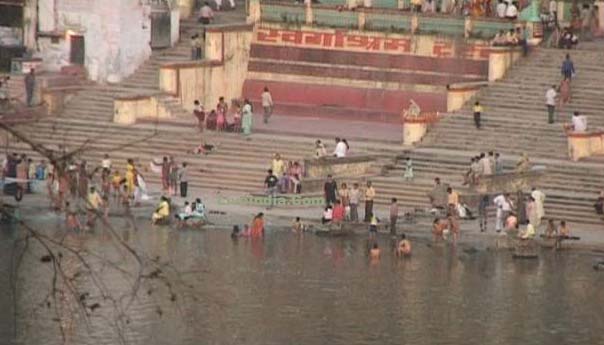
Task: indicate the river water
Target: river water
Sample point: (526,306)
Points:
(290,289)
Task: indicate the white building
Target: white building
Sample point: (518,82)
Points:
(109,38)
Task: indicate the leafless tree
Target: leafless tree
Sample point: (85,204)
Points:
(77,290)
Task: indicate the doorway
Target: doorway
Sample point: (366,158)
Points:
(77,48)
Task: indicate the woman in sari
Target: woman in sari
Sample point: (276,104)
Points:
(221,112)
(564,92)
(258,225)
(247,118)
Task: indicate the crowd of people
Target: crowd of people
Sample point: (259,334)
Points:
(238,119)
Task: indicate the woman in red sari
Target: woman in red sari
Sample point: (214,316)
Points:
(258,225)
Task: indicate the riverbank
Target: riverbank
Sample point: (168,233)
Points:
(223,215)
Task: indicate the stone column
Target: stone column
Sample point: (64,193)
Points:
(414,23)
(600,15)
(255,11)
(309,15)
(30,20)
(362,17)
(468,26)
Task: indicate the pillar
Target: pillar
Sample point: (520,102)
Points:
(310,18)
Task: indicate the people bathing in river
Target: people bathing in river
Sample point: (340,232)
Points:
(235,233)
(183,216)
(327,215)
(258,225)
(162,212)
(298,226)
(528,233)
(374,252)
(404,246)
(563,230)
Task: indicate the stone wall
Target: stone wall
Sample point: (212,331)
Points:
(347,166)
(116,35)
(222,73)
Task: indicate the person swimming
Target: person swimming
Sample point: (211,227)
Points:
(374,252)
(404,246)
(297,226)
(235,234)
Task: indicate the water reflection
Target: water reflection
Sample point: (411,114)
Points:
(303,289)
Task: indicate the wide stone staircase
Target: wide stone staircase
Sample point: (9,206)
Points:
(515,121)
(515,117)
(513,124)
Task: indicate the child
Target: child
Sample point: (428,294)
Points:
(71,218)
(408,169)
(374,252)
(373,226)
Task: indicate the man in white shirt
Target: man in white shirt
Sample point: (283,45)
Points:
(340,150)
(106,163)
(550,102)
(500,9)
(579,122)
(504,207)
(485,165)
(511,12)
(267,104)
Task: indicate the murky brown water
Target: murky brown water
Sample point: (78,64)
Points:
(309,290)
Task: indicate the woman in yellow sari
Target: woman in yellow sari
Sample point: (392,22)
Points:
(130,176)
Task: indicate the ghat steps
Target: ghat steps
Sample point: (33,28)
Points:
(240,165)
(515,118)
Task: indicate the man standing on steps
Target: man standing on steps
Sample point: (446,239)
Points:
(568,68)
(183,177)
(369,196)
(550,102)
(270,185)
(267,104)
(477,111)
(30,84)
(330,189)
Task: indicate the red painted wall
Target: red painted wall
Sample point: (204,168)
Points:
(353,103)
(377,60)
